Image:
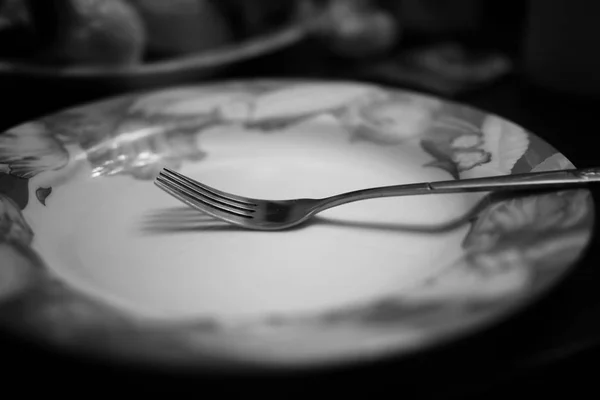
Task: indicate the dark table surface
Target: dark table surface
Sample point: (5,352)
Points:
(550,347)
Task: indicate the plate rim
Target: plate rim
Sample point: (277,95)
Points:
(498,317)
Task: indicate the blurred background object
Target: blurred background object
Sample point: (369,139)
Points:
(358,28)
(86,32)
(444,47)
(132,44)
(434,45)
(148,29)
(178,27)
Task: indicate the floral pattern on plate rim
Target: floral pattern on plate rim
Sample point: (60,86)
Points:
(516,246)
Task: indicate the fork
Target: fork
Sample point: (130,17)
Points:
(271,215)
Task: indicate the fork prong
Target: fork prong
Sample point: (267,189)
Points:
(200,191)
(241,201)
(175,193)
(197,201)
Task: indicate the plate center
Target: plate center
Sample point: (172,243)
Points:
(128,243)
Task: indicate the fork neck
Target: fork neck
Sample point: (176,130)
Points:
(372,193)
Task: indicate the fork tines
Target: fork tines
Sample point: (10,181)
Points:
(203,197)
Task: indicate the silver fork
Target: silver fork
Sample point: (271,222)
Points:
(281,214)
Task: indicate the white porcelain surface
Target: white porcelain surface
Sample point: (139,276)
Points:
(98,250)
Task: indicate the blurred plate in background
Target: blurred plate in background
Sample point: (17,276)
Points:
(179,66)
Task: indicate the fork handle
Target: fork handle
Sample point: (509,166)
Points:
(527,181)
(532,180)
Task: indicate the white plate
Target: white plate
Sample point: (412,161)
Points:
(96,259)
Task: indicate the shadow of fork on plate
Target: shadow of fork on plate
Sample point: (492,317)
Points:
(184,219)
(181,220)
